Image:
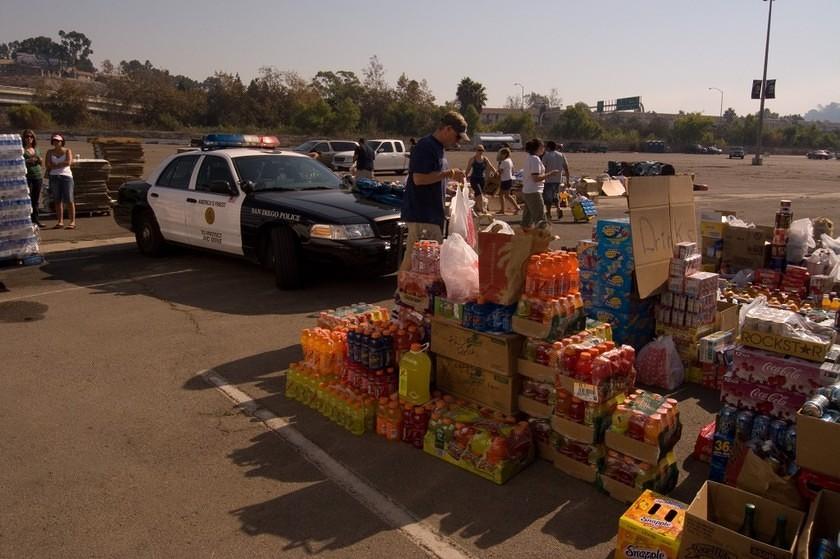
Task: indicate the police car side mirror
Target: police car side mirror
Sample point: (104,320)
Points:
(223,187)
(247,187)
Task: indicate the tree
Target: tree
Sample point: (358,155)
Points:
(107,67)
(77,50)
(226,101)
(471,93)
(577,123)
(377,94)
(336,87)
(42,47)
(690,129)
(5,51)
(473,118)
(518,123)
(68,105)
(729,115)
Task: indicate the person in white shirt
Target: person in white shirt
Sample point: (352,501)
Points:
(533,184)
(552,160)
(506,181)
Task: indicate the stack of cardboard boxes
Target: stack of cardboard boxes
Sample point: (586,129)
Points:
(614,297)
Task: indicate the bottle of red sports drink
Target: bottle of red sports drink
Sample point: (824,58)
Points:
(562,403)
(382,417)
(542,353)
(583,366)
(569,360)
(636,426)
(601,369)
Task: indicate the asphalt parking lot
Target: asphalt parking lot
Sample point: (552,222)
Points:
(114,444)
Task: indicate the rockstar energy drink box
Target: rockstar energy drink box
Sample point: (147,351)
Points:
(651,528)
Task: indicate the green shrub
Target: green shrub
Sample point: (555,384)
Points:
(29,116)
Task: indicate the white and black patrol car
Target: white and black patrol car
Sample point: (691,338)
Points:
(238,194)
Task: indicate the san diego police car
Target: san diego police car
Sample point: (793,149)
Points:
(240,195)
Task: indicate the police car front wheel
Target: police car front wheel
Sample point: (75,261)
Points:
(288,267)
(147,234)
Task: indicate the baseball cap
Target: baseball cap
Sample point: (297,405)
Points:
(458,123)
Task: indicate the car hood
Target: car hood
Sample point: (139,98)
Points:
(334,206)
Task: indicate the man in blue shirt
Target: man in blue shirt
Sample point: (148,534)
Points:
(428,173)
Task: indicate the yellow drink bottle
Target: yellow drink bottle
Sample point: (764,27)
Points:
(415,376)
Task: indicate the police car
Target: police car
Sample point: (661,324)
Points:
(240,195)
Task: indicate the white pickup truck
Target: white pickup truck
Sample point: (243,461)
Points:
(391,157)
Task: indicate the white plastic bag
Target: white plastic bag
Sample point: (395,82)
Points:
(743,278)
(659,364)
(733,221)
(821,262)
(499,226)
(459,269)
(833,244)
(460,216)
(800,240)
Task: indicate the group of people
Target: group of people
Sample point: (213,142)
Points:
(55,165)
(541,180)
(423,208)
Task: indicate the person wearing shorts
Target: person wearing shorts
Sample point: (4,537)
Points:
(58,160)
(533,184)
(506,178)
(476,170)
(554,161)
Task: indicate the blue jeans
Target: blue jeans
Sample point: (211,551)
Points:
(61,189)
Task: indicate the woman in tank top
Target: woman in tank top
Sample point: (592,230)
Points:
(58,161)
(476,169)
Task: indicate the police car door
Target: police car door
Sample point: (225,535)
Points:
(168,194)
(213,217)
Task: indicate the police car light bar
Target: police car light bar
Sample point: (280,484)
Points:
(218,141)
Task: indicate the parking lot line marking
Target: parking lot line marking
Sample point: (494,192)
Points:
(377,502)
(95,285)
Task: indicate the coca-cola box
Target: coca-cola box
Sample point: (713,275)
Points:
(761,398)
(788,373)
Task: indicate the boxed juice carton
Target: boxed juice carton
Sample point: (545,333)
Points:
(651,527)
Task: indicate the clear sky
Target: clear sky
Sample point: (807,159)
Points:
(669,52)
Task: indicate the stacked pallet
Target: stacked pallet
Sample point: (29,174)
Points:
(90,178)
(125,156)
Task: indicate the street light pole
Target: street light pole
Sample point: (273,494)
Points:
(721,100)
(523,94)
(757,159)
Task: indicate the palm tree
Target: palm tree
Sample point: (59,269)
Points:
(471,93)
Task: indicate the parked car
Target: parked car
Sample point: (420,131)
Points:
(819,154)
(326,149)
(598,148)
(737,151)
(714,150)
(250,199)
(655,146)
(391,157)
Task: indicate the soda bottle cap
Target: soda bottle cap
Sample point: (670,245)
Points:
(585,355)
(416,348)
(407,406)
(419,410)
(376,335)
(393,405)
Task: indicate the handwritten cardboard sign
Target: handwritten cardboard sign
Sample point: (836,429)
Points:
(661,215)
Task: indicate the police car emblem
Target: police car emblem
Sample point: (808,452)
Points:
(209,216)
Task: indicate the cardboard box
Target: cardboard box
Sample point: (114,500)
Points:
(823,522)
(579,470)
(546,451)
(789,373)
(817,443)
(620,491)
(477,385)
(712,223)
(713,518)
(420,304)
(661,215)
(812,351)
(641,450)
(746,247)
(449,310)
(576,431)
(761,398)
(535,371)
(651,527)
(492,352)
(533,408)
(501,266)
(616,231)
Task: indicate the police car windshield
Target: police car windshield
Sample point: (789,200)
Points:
(283,172)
